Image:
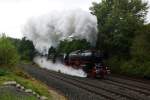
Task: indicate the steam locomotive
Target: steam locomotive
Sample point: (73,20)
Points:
(88,60)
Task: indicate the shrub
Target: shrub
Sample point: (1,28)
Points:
(3,72)
(114,64)
(8,53)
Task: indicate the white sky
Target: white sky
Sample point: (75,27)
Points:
(14,13)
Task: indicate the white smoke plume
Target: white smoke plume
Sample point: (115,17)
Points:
(47,30)
(44,63)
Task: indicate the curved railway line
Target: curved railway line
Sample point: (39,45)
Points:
(89,87)
(130,87)
(134,83)
(111,89)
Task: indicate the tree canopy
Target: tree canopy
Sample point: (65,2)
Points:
(24,47)
(69,46)
(124,35)
(118,20)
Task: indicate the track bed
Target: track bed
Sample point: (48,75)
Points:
(76,88)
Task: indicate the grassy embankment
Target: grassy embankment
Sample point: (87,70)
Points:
(15,74)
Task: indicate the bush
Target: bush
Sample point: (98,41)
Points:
(115,64)
(8,53)
(3,72)
(135,68)
(129,67)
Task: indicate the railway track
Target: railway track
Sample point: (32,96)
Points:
(112,89)
(132,83)
(71,91)
(89,87)
(137,89)
(115,91)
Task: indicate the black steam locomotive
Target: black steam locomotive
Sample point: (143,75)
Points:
(88,60)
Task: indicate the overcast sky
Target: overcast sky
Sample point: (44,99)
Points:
(14,13)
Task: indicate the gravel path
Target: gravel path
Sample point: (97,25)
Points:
(76,88)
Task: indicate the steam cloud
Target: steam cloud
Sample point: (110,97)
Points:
(44,63)
(47,30)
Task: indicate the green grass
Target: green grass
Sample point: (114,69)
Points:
(15,74)
(10,96)
(6,94)
(10,73)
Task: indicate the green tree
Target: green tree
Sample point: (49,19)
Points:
(118,21)
(140,52)
(26,49)
(140,49)
(69,46)
(8,52)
